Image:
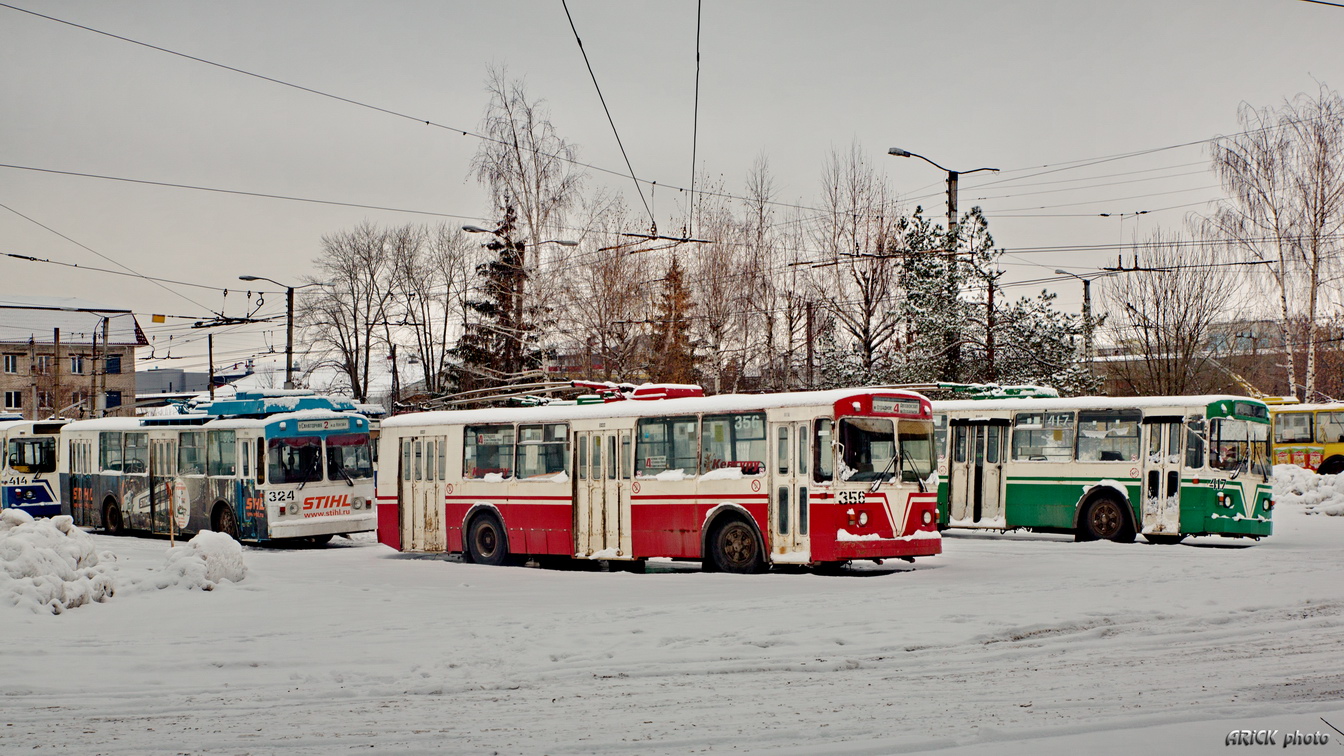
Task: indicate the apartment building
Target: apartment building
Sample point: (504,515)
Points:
(61,356)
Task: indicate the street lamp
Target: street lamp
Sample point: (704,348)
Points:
(951,182)
(289,323)
(1087,312)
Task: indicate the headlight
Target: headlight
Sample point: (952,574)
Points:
(863,519)
(358,503)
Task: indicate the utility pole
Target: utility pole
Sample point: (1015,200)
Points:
(989,331)
(56,402)
(102,392)
(810,352)
(210,357)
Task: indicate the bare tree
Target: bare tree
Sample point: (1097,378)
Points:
(605,297)
(343,317)
(857,236)
(430,272)
(1285,175)
(1161,315)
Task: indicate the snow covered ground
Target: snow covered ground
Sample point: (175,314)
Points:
(1017,643)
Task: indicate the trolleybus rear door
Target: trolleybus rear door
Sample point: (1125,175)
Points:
(1162,475)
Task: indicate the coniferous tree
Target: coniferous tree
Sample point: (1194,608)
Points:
(672,353)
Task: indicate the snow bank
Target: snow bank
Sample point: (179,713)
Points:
(202,562)
(49,565)
(1315,494)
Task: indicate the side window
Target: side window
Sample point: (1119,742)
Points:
(736,440)
(1109,435)
(1043,436)
(782,450)
(611,457)
(488,450)
(666,443)
(1330,427)
(191,453)
(823,455)
(109,451)
(1293,428)
(625,455)
(136,455)
(583,459)
(405,459)
(221,454)
(542,450)
(1194,443)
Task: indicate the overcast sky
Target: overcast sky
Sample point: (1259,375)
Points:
(1042,90)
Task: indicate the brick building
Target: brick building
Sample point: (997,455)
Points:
(63,356)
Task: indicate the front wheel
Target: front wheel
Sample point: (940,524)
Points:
(1104,519)
(735,548)
(486,540)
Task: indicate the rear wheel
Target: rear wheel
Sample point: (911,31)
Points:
(486,540)
(112,522)
(225,521)
(1332,466)
(1104,519)
(735,548)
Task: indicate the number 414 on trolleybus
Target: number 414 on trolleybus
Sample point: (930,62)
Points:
(263,466)
(739,482)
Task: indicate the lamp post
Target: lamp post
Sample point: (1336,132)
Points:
(289,323)
(951,183)
(1087,313)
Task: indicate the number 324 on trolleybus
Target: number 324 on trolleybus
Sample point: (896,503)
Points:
(259,467)
(739,482)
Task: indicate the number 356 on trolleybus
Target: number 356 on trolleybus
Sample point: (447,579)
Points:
(739,482)
(263,466)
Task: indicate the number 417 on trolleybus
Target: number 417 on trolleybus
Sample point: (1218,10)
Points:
(739,482)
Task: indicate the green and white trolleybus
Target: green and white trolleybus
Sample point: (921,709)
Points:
(1107,468)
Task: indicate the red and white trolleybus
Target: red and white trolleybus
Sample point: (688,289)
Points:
(739,482)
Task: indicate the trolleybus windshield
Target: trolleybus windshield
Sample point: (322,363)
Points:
(32,455)
(294,460)
(869,446)
(348,457)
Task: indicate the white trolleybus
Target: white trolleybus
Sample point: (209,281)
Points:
(739,482)
(264,466)
(1107,468)
(28,479)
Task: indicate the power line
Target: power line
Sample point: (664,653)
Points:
(105,257)
(607,110)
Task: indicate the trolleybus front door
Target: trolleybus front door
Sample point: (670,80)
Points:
(975,472)
(602,511)
(788,492)
(1162,475)
(422,495)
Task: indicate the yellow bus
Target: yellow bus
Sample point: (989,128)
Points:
(1310,436)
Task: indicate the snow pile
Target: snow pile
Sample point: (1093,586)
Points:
(1315,494)
(203,562)
(49,565)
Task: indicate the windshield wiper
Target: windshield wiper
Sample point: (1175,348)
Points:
(341,469)
(878,481)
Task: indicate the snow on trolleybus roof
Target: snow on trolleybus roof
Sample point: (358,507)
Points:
(1219,405)
(845,401)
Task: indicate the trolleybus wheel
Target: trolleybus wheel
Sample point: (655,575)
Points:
(1167,539)
(1104,519)
(112,522)
(735,548)
(320,540)
(486,541)
(226,521)
(1332,466)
